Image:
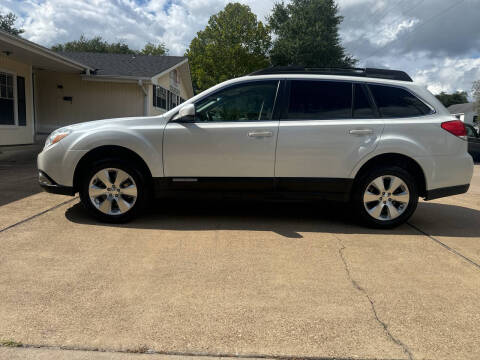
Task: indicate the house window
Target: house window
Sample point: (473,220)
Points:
(174,76)
(475,119)
(159,97)
(165,99)
(7,99)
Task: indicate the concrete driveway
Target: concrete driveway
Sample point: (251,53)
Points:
(228,279)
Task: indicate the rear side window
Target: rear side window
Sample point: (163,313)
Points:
(397,102)
(320,100)
(362,108)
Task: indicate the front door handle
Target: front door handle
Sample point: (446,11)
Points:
(361,132)
(260,133)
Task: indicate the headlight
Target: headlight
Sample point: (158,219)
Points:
(56,136)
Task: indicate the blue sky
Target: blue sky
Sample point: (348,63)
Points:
(436,41)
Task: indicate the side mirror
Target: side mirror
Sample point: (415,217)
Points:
(186,114)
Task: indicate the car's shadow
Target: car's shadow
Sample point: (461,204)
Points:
(287,219)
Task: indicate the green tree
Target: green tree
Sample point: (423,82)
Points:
(458,97)
(152,49)
(306,34)
(233,44)
(7,24)
(95,44)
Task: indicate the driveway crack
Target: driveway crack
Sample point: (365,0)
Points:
(355,284)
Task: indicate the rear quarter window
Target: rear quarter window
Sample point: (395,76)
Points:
(395,102)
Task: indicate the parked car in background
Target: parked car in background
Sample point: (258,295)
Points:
(473,141)
(366,136)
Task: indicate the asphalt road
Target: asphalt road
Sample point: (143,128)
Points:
(259,280)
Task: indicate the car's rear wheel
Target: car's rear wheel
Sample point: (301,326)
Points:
(113,190)
(386,197)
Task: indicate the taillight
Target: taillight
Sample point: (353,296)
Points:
(455,127)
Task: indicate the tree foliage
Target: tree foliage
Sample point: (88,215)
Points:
(95,44)
(307,34)
(233,44)
(7,24)
(152,49)
(458,97)
(98,45)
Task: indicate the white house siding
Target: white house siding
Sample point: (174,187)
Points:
(13,134)
(91,100)
(165,82)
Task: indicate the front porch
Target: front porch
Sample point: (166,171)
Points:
(20,62)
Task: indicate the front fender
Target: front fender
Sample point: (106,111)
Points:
(135,141)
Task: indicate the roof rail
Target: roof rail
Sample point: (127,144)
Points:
(360,72)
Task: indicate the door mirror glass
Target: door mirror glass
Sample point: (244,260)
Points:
(186,114)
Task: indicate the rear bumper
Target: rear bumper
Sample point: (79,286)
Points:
(446,191)
(47,184)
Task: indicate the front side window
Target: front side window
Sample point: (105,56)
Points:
(251,101)
(397,102)
(320,100)
(7,100)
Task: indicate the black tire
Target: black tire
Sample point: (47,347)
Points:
(361,186)
(141,183)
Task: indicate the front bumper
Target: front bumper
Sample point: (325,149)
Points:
(51,186)
(59,164)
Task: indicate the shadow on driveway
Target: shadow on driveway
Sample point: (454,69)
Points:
(287,219)
(18,172)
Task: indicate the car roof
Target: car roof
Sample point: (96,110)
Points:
(325,77)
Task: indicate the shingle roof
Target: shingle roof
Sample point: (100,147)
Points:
(125,64)
(461,108)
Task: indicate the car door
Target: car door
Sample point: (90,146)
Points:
(231,138)
(321,137)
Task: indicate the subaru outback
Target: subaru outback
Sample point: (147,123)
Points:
(370,137)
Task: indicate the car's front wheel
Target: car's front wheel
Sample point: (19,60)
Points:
(113,191)
(386,197)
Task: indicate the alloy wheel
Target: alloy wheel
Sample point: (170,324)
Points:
(112,191)
(386,198)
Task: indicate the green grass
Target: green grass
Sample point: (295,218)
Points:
(10,343)
(141,349)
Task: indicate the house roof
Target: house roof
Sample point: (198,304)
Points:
(125,65)
(39,57)
(461,108)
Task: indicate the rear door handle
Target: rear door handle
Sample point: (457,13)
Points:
(361,132)
(260,133)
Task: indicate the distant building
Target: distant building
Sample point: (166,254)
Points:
(465,112)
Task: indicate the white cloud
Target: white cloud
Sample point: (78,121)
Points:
(449,75)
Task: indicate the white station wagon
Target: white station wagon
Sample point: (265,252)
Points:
(370,137)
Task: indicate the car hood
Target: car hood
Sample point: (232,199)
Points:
(118,122)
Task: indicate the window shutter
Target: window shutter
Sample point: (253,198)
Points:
(154,95)
(21,101)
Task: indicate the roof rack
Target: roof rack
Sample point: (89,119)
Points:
(360,72)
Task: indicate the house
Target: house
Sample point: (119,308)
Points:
(465,112)
(41,90)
